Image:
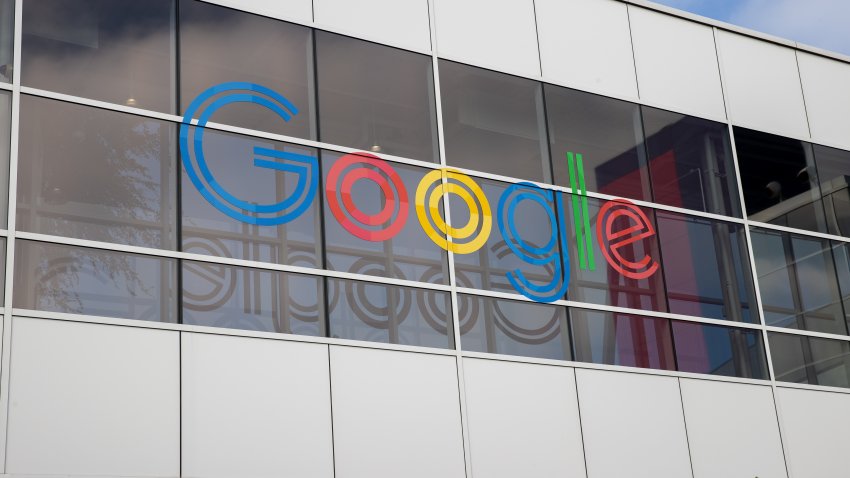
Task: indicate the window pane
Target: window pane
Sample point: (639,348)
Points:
(810,360)
(5,149)
(690,160)
(493,122)
(406,254)
(120,51)
(798,283)
(396,315)
(719,350)
(219,45)
(603,283)
(619,339)
(95,174)
(60,278)
(780,180)
(488,267)
(7,36)
(706,268)
(513,328)
(834,175)
(217,295)
(376,98)
(232,230)
(606,132)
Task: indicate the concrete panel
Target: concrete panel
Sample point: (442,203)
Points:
(633,425)
(523,420)
(395,414)
(255,408)
(501,36)
(676,64)
(826,85)
(586,44)
(295,10)
(90,399)
(762,85)
(732,430)
(402,23)
(814,429)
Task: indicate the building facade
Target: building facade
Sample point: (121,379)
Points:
(419,238)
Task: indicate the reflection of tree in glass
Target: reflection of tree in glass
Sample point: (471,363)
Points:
(91,282)
(106,173)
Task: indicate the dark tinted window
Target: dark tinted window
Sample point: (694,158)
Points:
(833,167)
(780,180)
(219,45)
(690,161)
(390,314)
(706,268)
(60,278)
(513,328)
(493,122)
(810,360)
(7,35)
(375,97)
(606,133)
(230,230)
(619,339)
(394,247)
(120,51)
(719,350)
(798,282)
(217,295)
(96,174)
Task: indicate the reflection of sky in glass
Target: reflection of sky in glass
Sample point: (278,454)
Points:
(119,51)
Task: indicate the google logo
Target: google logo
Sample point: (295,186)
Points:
(620,223)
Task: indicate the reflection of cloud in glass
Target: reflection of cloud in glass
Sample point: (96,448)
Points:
(118,51)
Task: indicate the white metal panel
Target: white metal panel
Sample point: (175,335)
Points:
(501,35)
(732,430)
(90,399)
(762,85)
(633,425)
(403,23)
(815,431)
(295,10)
(255,408)
(826,86)
(395,414)
(521,414)
(676,63)
(586,44)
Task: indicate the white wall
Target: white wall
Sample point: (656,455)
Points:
(402,23)
(523,420)
(586,44)
(395,414)
(732,430)
(255,408)
(676,64)
(826,85)
(815,430)
(295,10)
(633,425)
(88,399)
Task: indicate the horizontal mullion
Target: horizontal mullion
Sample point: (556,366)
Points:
(610,308)
(114,247)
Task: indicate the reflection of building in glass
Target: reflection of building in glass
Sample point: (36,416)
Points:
(420,238)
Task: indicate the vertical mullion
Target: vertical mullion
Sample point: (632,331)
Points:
(750,254)
(10,240)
